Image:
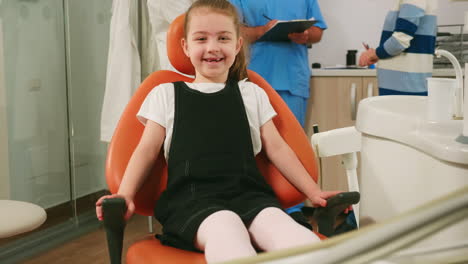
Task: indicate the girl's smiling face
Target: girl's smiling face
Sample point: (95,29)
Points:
(211,44)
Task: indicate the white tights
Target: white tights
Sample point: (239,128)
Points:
(223,236)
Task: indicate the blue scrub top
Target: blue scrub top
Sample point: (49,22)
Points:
(284,65)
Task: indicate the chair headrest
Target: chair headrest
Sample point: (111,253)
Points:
(174,47)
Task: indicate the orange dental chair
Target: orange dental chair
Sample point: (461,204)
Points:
(129,131)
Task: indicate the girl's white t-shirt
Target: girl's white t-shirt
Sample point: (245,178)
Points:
(159,107)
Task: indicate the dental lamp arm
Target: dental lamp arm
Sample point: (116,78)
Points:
(372,243)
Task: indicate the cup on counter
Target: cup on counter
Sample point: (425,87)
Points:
(441,92)
(351,57)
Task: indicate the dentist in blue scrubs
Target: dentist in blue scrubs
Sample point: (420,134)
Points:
(284,65)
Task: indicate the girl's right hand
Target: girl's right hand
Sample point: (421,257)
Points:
(128,202)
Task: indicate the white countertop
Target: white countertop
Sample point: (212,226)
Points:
(370,73)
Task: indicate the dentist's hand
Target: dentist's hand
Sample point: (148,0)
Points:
(128,202)
(368,57)
(252,34)
(263,29)
(299,38)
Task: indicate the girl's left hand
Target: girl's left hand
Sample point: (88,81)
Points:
(320,199)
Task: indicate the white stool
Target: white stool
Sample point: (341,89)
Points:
(19,217)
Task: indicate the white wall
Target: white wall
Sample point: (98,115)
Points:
(352,22)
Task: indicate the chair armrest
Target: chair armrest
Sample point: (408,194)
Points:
(114,224)
(337,142)
(345,142)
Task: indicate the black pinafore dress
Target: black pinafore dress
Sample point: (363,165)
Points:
(211,165)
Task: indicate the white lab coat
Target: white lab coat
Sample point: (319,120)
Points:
(123,65)
(161,14)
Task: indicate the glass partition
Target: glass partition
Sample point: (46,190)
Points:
(88,41)
(53,57)
(35,95)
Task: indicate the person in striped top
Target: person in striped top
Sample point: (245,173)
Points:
(406,49)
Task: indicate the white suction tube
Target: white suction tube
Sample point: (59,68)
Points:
(458,99)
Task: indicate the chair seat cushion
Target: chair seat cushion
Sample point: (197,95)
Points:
(150,250)
(19,217)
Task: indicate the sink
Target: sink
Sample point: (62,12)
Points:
(403,119)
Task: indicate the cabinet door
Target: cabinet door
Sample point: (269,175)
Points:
(370,87)
(333,102)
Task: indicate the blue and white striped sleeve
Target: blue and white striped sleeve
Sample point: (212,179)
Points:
(406,25)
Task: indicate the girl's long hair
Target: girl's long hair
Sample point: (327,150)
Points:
(238,70)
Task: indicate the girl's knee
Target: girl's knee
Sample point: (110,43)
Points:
(225,220)
(273,229)
(223,236)
(219,226)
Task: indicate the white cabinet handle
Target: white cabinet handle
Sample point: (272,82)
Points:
(370,89)
(353,101)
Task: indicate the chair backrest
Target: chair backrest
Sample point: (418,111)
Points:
(129,131)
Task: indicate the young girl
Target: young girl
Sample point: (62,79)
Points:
(216,200)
